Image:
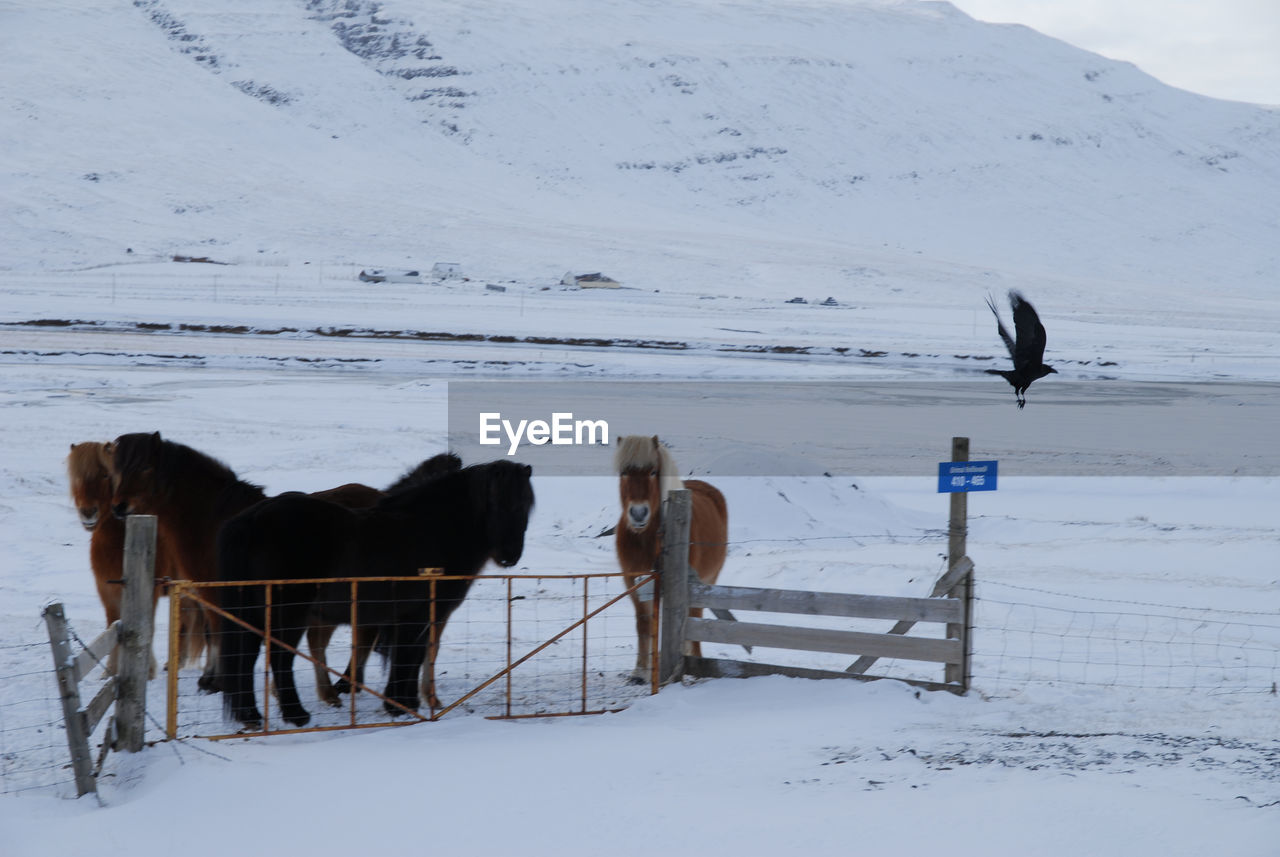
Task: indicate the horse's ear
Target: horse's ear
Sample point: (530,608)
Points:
(73,447)
(528,470)
(155,438)
(655,442)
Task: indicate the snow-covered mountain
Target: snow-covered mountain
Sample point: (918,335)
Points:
(368,132)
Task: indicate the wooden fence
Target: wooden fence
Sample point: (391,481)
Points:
(950,605)
(127,689)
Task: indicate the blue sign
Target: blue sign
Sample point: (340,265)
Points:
(955,476)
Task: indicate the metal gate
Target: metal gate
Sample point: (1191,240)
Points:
(508,628)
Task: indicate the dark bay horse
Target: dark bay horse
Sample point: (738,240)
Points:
(456,522)
(90,480)
(647,473)
(191,495)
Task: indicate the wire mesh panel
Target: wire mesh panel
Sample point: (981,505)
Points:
(1028,635)
(516,646)
(33,743)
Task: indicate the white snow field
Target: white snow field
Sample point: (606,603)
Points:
(889,163)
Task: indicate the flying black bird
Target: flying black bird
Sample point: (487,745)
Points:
(1028,351)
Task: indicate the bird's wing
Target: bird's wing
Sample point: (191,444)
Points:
(1004,334)
(1029,351)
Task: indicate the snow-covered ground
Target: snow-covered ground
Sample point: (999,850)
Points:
(718,160)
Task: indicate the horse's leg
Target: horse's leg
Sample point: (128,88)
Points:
(408,651)
(318,635)
(209,680)
(106,558)
(191,633)
(287,627)
(643,672)
(428,681)
(362,640)
(236,658)
(111,597)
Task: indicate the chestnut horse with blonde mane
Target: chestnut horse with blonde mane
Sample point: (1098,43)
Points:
(646,475)
(90,477)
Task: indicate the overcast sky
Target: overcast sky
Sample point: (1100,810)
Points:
(1224,48)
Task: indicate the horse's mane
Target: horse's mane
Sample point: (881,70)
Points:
(454,484)
(86,461)
(433,467)
(642,452)
(174,463)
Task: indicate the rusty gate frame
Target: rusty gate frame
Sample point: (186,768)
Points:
(178,590)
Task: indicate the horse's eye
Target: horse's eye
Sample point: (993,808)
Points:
(653,474)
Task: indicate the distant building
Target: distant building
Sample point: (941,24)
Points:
(590,281)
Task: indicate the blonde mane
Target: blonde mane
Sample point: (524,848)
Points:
(644,452)
(86,463)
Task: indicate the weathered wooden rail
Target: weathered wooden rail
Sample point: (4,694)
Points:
(127,689)
(950,606)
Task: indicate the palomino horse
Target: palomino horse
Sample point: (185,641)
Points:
(456,522)
(647,474)
(90,478)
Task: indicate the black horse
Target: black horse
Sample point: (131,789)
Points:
(456,522)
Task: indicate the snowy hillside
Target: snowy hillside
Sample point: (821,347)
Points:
(367,133)
(805,203)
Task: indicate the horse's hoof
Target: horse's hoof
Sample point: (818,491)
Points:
(250,721)
(341,686)
(397,711)
(331,700)
(299,720)
(209,684)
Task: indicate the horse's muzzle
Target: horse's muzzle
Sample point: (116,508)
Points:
(120,510)
(88,518)
(638,516)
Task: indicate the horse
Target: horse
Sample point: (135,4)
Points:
(354,495)
(456,522)
(192,495)
(647,473)
(90,480)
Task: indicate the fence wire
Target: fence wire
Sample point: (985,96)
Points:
(502,620)
(33,740)
(1025,635)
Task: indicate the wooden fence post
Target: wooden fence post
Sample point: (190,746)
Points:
(957,535)
(55,619)
(136,627)
(673,564)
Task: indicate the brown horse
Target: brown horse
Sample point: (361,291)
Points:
(647,473)
(192,495)
(90,478)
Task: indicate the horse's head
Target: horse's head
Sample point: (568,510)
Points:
(90,478)
(133,459)
(639,462)
(509,500)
